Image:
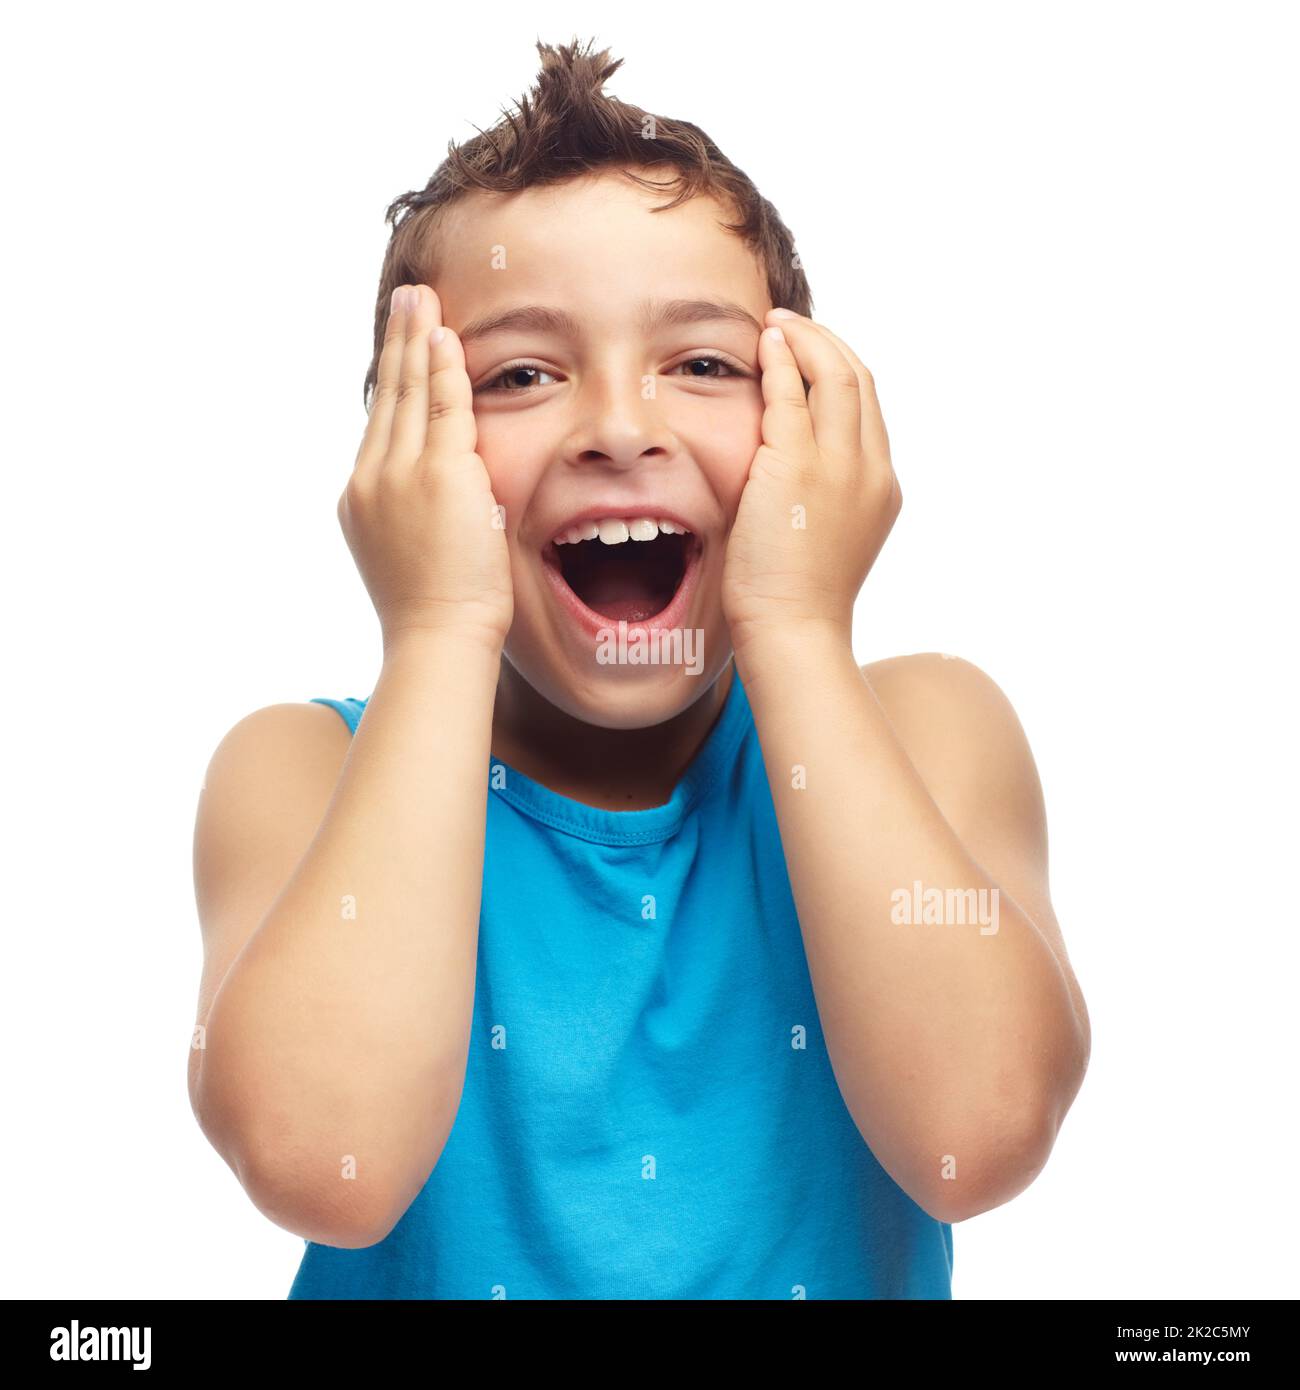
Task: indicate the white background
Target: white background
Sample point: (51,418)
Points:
(1063,237)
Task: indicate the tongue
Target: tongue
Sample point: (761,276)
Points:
(623,594)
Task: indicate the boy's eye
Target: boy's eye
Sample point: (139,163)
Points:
(507,379)
(708,359)
(513,379)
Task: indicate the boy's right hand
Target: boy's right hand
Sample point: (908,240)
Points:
(418,511)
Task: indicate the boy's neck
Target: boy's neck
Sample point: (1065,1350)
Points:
(613,769)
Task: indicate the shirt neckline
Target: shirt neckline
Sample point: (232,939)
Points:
(646,826)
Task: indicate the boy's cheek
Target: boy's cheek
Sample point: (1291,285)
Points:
(727,477)
(511,473)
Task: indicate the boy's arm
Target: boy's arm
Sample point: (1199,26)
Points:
(957,1049)
(334,1048)
(966,742)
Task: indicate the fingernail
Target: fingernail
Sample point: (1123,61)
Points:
(785,313)
(397,300)
(775,334)
(436,335)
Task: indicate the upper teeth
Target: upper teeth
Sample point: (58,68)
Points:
(614,530)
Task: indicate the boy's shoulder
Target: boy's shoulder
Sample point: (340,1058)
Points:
(957,726)
(940,675)
(289,726)
(277,752)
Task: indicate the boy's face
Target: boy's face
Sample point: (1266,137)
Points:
(608,418)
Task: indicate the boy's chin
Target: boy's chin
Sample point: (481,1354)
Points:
(625,695)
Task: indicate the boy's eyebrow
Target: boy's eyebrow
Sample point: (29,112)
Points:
(655,314)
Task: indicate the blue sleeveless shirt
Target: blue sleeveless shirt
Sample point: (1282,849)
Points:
(649,1110)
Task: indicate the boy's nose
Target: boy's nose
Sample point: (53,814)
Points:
(619,424)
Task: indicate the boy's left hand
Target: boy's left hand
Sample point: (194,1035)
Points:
(821,496)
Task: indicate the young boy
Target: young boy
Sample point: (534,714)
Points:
(630,940)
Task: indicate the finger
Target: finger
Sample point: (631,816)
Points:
(451,426)
(875,437)
(787,423)
(411,409)
(374,442)
(834,393)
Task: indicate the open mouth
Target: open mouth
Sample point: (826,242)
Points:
(624,571)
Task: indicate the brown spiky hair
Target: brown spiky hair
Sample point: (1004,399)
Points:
(566,128)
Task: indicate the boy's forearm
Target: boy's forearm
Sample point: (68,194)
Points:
(944,1041)
(338,1041)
